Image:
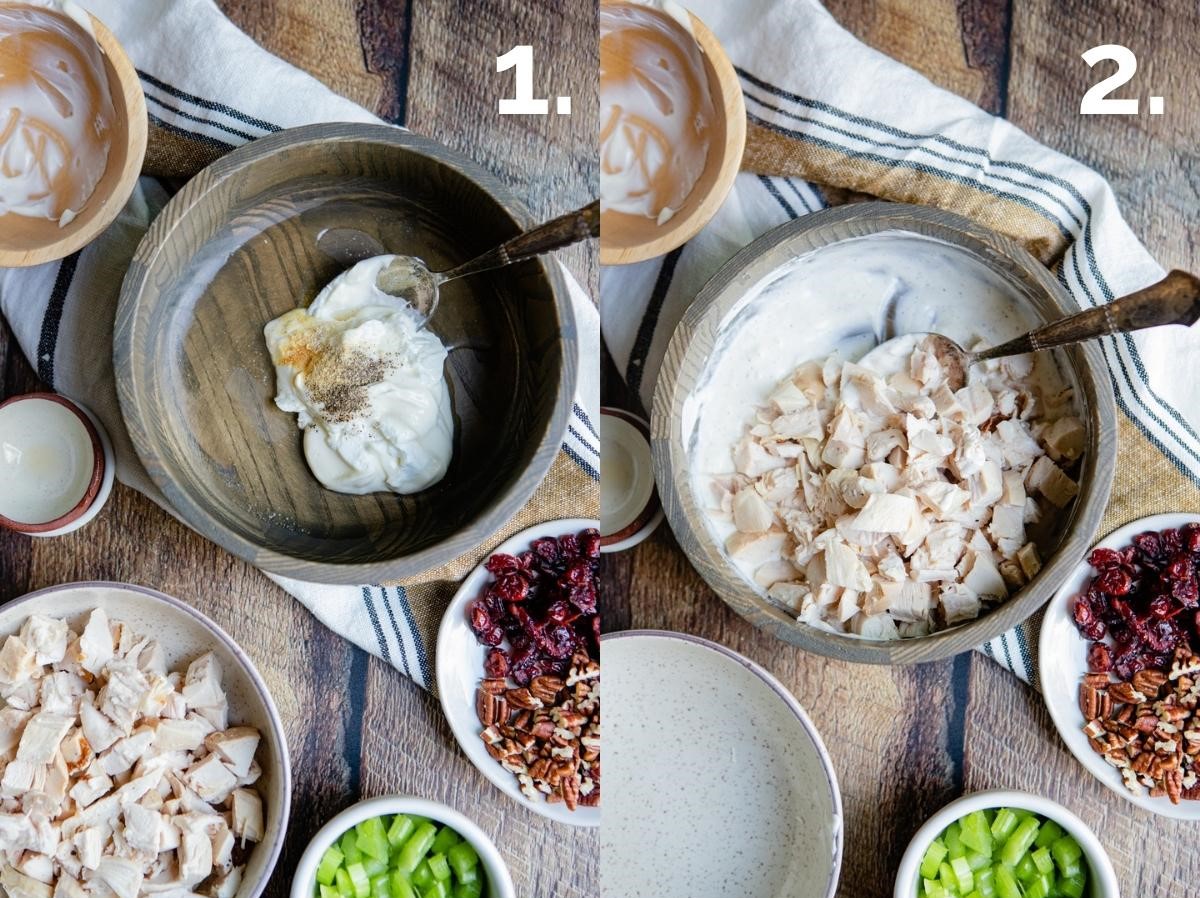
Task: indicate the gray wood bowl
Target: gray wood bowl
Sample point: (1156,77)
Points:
(237,247)
(695,340)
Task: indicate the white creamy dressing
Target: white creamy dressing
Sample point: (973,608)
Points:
(46,461)
(656,109)
(56,110)
(367,384)
(835,299)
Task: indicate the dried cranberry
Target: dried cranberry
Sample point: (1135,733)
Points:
(568,546)
(589,543)
(514,588)
(578,573)
(561,612)
(503,564)
(1149,545)
(1171,541)
(1186,592)
(481,620)
(1083,613)
(546,549)
(584,598)
(494,636)
(1099,658)
(1162,606)
(1114,581)
(1191,538)
(1179,567)
(1103,558)
(496,664)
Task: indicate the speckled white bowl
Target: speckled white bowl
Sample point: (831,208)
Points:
(716,783)
(1102,879)
(185,634)
(499,881)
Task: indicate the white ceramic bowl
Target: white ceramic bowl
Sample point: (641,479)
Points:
(499,880)
(185,634)
(1062,654)
(1102,880)
(718,782)
(460,660)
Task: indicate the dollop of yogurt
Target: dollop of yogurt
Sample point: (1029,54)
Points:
(366,383)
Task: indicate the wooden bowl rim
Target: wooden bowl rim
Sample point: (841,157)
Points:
(670,455)
(681,228)
(93,486)
(132,108)
(133,391)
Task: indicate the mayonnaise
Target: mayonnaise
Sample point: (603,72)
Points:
(367,384)
(56,111)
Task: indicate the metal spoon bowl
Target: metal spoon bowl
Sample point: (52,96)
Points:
(1173,300)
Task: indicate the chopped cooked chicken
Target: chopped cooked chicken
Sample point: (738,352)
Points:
(120,779)
(874,500)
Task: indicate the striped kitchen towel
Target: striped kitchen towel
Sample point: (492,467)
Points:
(210,88)
(824,108)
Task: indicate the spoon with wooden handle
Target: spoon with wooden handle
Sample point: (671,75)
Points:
(410,279)
(1173,300)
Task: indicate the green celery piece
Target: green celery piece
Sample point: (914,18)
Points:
(470,874)
(1025,870)
(422,876)
(974,895)
(1006,882)
(934,889)
(1066,853)
(469,889)
(1004,824)
(1072,886)
(439,888)
(345,888)
(953,839)
(1041,887)
(445,838)
(379,886)
(373,866)
(330,861)
(934,855)
(985,882)
(963,875)
(401,828)
(1050,833)
(978,861)
(1018,843)
(400,886)
(975,833)
(349,846)
(462,858)
(328,891)
(359,879)
(1042,860)
(371,837)
(416,848)
(438,866)
(947,878)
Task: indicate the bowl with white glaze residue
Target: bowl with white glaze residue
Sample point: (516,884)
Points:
(717,782)
(843,281)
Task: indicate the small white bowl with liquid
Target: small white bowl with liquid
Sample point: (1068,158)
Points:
(56,465)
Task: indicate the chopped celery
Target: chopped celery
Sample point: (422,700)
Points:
(422,876)
(1041,887)
(979,861)
(934,855)
(445,838)
(469,889)
(439,888)
(371,838)
(947,878)
(1025,869)
(330,861)
(328,891)
(464,861)
(1072,886)
(438,866)
(1006,882)
(400,886)
(401,828)
(934,889)
(1042,860)
(962,874)
(345,887)
(379,886)
(1004,824)
(1018,843)
(359,879)
(953,839)
(975,833)
(349,846)
(374,867)
(1050,833)
(985,882)
(1067,853)
(416,847)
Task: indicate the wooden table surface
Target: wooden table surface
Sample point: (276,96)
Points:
(907,740)
(355,726)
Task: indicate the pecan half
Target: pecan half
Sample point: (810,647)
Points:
(490,708)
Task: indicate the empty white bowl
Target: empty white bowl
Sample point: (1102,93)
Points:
(185,634)
(499,880)
(1102,879)
(1062,657)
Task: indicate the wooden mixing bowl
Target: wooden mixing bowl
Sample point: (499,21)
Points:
(629,238)
(236,248)
(35,242)
(696,338)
